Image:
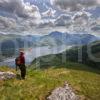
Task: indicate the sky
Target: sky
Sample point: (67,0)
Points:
(41,17)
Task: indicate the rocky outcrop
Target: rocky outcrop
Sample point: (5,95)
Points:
(7,75)
(63,93)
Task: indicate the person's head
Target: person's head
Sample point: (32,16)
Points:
(21,53)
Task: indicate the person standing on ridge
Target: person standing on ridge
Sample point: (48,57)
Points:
(20,62)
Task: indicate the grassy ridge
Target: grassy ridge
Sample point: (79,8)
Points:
(39,83)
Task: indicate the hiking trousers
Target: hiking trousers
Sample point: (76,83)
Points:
(23,70)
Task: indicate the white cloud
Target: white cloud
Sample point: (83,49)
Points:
(81,21)
(20,8)
(27,16)
(30,22)
(7,23)
(98,21)
(49,13)
(78,22)
(32,11)
(74,5)
(46,24)
(20,25)
(82,14)
(63,20)
(95,26)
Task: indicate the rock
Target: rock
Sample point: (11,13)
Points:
(63,93)
(7,75)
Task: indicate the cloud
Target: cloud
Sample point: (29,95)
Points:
(82,14)
(95,26)
(26,16)
(29,20)
(32,11)
(49,13)
(81,21)
(7,23)
(81,18)
(11,25)
(74,5)
(46,24)
(63,20)
(20,8)
(29,23)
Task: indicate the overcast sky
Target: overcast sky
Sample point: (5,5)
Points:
(44,16)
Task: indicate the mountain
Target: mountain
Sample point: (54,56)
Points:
(52,39)
(58,38)
(11,42)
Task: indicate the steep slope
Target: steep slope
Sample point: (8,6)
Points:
(87,54)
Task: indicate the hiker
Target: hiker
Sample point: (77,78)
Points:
(20,62)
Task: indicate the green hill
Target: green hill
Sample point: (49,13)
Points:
(85,52)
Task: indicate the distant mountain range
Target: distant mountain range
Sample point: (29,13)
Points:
(58,38)
(10,43)
(53,39)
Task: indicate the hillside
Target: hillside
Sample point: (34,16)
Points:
(72,55)
(40,83)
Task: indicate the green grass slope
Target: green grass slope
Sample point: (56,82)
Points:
(92,49)
(39,83)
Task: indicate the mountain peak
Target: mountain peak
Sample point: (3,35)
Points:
(56,33)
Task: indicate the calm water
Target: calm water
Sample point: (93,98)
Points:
(33,53)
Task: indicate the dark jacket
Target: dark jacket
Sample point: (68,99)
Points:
(22,59)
